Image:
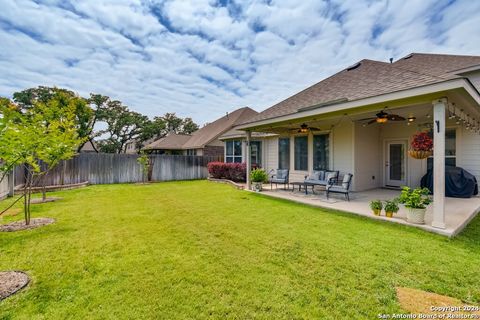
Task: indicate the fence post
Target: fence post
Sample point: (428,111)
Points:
(11,183)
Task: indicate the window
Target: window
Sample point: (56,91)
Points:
(233,152)
(321,152)
(450,149)
(301,153)
(284,153)
(191,152)
(256,154)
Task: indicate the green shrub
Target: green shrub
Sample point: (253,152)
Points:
(418,198)
(258,175)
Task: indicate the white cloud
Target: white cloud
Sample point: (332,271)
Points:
(200,59)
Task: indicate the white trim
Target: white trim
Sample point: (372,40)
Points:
(398,95)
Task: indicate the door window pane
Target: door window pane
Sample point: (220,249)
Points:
(320,152)
(397,154)
(301,153)
(284,153)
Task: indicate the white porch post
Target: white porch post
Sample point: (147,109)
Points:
(439,107)
(249,159)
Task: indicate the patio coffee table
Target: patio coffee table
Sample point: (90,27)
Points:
(304,184)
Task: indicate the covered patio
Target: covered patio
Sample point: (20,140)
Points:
(460,211)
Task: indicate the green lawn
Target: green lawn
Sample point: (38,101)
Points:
(188,250)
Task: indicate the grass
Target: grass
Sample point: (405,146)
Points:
(186,250)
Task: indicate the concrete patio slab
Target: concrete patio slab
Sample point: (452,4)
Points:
(459,212)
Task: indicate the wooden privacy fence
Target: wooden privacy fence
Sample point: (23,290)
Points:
(106,168)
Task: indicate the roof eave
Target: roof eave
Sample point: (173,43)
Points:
(397,95)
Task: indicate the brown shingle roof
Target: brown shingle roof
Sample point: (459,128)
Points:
(172,141)
(205,135)
(213,130)
(370,78)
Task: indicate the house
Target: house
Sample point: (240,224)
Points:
(204,141)
(361,119)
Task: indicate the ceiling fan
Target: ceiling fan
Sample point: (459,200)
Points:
(304,128)
(382,117)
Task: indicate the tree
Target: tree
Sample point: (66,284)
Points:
(188,126)
(84,115)
(39,136)
(144,163)
(123,126)
(178,125)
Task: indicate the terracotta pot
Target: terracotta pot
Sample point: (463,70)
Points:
(419,154)
(416,216)
(377,212)
(389,214)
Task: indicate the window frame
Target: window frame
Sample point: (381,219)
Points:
(287,153)
(296,165)
(233,157)
(328,153)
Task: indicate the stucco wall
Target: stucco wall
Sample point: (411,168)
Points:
(367,157)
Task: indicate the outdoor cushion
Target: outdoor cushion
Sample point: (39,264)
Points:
(334,188)
(282,174)
(346,181)
(316,175)
(330,176)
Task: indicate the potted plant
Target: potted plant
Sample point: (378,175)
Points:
(416,201)
(376,206)
(258,177)
(391,207)
(421,146)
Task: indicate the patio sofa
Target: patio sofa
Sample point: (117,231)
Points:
(321,178)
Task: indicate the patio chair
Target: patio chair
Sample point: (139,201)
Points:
(343,188)
(280,177)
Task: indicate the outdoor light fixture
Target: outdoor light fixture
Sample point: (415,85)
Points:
(303,128)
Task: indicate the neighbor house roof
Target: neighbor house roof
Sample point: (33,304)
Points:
(205,135)
(215,129)
(171,141)
(368,78)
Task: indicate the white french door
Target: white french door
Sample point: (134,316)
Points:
(396,163)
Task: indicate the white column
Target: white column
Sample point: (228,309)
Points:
(439,107)
(248,160)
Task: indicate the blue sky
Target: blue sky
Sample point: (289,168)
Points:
(202,58)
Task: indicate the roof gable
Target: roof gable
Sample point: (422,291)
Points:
(213,130)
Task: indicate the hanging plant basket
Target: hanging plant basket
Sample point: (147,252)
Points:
(419,154)
(421,146)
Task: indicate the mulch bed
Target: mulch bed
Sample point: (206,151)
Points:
(20,225)
(11,282)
